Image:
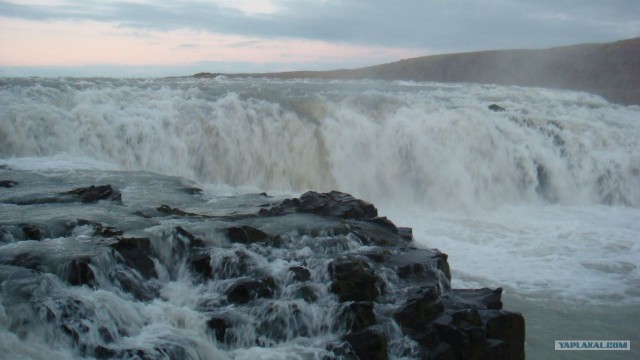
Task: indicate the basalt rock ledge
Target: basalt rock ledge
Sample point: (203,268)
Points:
(323,269)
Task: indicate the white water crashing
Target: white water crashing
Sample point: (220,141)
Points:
(415,150)
(432,145)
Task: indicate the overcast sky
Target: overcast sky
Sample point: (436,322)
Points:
(181,37)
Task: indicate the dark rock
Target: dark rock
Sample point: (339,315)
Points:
(484,298)
(423,304)
(464,340)
(200,263)
(358,315)
(442,351)
(219,325)
(354,280)
(368,344)
(373,233)
(239,263)
(106,335)
(459,341)
(507,327)
(100,229)
(543,186)
(384,222)
(189,238)
(342,350)
(133,284)
(24,260)
(464,317)
(406,233)
(336,204)
(168,210)
(306,293)
(363,252)
(378,254)
(104,352)
(279,321)
(32,232)
(496,350)
(425,266)
(433,347)
(135,252)
(80,273)
(192,190)
(8,183)
(496,108)
(94,193)
(333,204)
(245,234)
(245,290)
(300,273)
(91,194)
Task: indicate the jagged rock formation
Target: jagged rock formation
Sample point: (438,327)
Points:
(375,292)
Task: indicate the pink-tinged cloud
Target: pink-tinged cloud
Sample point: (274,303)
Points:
(81,43)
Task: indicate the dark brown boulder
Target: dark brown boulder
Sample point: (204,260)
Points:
(80,273)
(508,327)
(358,315)
(333,204)
(32,232)
(135,252)
(94,193)
(423,304)
(368,344)
(496,108)
(200,263)
(354,280)
(246,234)
(300,273)
(245,290)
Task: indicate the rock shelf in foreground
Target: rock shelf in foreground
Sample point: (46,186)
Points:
(379,294)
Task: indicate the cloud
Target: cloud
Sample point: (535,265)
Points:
(188,46)
(448,25)
(278,35)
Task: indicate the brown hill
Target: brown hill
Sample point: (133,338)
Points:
(611,70)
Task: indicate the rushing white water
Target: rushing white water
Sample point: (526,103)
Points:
(426,144)
(542,199)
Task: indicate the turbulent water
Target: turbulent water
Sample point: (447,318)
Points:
(542,199)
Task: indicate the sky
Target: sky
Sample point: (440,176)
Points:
(183,37)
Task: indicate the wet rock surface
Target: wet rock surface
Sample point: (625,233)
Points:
(324,267)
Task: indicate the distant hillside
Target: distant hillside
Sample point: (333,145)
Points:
(611,70)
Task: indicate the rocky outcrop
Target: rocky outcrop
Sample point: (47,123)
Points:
(354,280)
(496,108)
(269,272)
(333,204)
(94,193)
(90,194)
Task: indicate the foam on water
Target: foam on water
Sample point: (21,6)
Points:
(427,144)
(573,254)
(57,162)
(542,199)
(527,186)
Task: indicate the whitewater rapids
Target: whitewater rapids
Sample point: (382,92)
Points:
(542,199)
